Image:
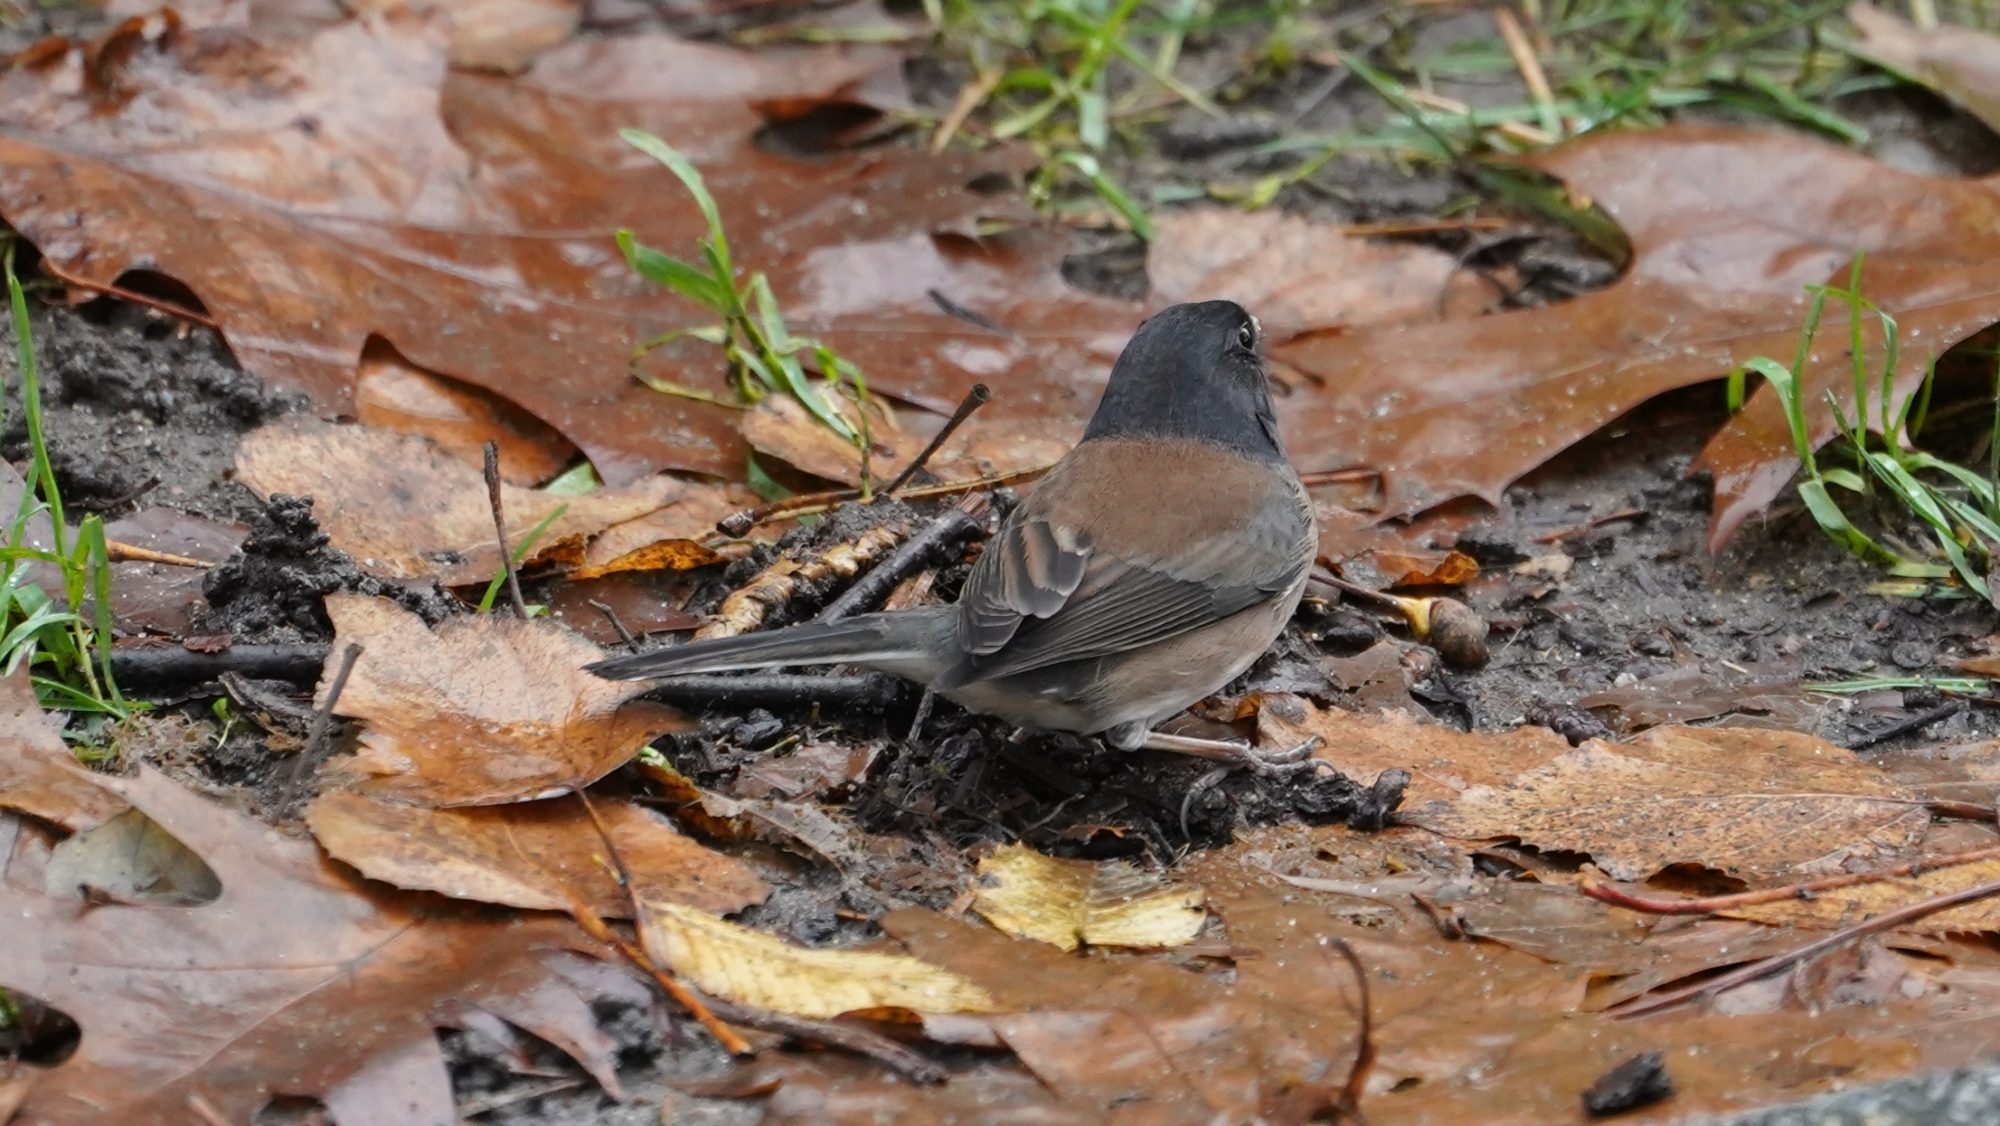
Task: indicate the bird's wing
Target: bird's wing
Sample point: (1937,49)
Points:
(1048,590)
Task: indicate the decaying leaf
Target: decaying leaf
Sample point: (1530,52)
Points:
(542,855)
(1758,805)
(1299,276)
(351,185)
(489,709)
(1068,903)
(405,509)
(1961,63)
(671,539)
(782,428)
(390,393)
(1846,906)
(130,859)
(503,35)
(38,774)
(297,980)
(1728,226)
(1443,763)
(756,969)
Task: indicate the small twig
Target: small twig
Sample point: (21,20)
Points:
(205,1111)
(979,320)
(1593,524)
(500,530)
(471,1108)
(978,397)
(596,927)
(308,761)
(169,668)
(618,624)
(1907,725)
(1715,904)
(1764,967)
(812,504)
(946,532)
(1339,477)
(969,97)
(56,271)
(1349,1103)
(853,1038)
(130,496)
(1532,75)
(116,552)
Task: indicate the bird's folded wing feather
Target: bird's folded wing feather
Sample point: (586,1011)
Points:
(1045,592)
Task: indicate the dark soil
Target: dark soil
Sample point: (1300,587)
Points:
(1608,611)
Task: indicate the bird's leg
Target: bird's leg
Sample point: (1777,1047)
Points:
(1236,753)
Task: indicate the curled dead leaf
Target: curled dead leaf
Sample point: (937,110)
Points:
(537,855)
(489,709)
(1068,903)
(756,969)
(390,393)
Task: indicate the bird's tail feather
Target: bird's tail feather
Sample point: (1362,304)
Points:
(889,641)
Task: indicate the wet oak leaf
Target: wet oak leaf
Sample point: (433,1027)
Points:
(390,393)
(1960,63)
(298,979)
(403,508)
(350,186)
(38,774)
(1846,906)
(487,710)
(765,972)
(1298,275)
(1069,903)
(1727,226)
(543,855)
(1757,805)
(1443,763)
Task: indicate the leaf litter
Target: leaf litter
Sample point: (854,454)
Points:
(1483,992)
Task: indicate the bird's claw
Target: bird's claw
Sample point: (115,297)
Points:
(1293,760)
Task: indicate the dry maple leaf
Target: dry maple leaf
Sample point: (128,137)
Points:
(337,204)
(543,855)
(1728,226)
(488,709)
(764,972)
(403,508)
(1067,903)
(297,980)
(1755,804)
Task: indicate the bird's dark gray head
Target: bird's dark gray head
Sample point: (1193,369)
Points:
(1193,371)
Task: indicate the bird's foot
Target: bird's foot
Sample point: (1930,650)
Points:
(1239,755)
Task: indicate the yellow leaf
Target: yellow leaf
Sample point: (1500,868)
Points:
(755,969)
(1068,903)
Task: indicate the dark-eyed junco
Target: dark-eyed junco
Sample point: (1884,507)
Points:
(1149,567)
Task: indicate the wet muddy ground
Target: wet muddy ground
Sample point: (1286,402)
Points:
(1609,613)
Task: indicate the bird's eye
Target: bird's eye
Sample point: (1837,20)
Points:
(1246,335)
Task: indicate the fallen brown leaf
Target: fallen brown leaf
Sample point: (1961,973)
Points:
(755,969)
(338,204)
(488,709)
(1727,228)
(1443,763)
(543,855)
(297,980)
(390,393)
(38,774)
(404,509)
(1298,275)
(1846,906)
(1069,903)
(1961,63)
(782,428)
(503,35)
(1754,804)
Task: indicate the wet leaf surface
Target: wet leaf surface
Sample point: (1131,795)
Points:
(1067,903)
(486,710)
(537,855)
(296,979)
(1728,226)
(1690,796)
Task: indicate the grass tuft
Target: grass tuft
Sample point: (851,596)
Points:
(64,638)
(764,356)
